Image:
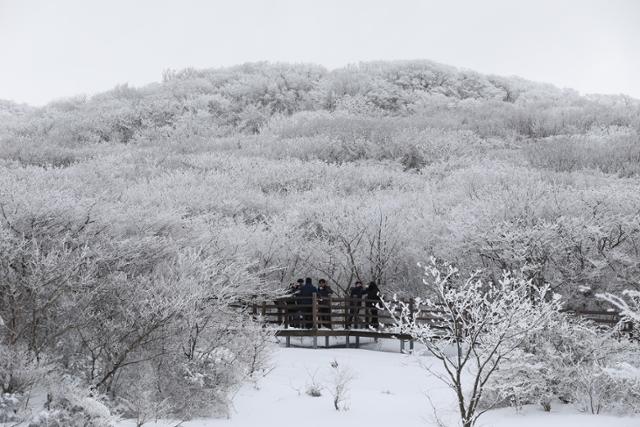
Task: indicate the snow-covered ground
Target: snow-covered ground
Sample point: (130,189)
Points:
(389,388)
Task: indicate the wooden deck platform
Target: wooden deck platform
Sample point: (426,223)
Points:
(356,318)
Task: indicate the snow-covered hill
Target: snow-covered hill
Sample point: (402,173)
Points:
(388,388)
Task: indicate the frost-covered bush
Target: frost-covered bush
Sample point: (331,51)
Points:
(615,150)
(71,405)
(201,386)
(19,371)
(196,377)
(524,379)
(627,376)
(594,389)
(341,378)
(10,406)
(571,362)
(140,399)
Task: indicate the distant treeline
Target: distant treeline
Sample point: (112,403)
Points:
(245,98)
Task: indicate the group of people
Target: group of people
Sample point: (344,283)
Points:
(299,308)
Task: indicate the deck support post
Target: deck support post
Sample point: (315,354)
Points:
(357,341)
(401,346)
(287,312)
(326,341)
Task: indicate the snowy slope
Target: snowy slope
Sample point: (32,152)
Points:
(389,388)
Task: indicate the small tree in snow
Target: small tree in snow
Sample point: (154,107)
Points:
(474,327)
(342,378)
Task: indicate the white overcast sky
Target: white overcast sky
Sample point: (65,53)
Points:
(52,49)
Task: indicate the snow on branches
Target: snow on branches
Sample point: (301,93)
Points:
(629,307)
(472,325)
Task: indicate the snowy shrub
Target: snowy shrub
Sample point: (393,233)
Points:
(314,390)
(255,358)
(18,369)
(9,407)
(616,151)
(627,375)
(573,362)
(593,389)
(194,378)
(523,379)
(71,405)
(313,387)
(205,386)
(341,378)
(607,380)
(140,399)
(535,373)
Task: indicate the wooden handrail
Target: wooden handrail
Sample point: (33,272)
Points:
(333,316)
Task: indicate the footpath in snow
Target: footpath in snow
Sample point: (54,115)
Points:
(389,388)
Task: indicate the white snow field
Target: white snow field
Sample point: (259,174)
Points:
(389,389)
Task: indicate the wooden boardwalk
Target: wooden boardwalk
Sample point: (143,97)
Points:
(355,318)
(316,317)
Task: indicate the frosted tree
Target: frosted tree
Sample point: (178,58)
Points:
(474,326)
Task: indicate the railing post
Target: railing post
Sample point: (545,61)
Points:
(278,304)
(287,313)
(411,314)
(346,319)
(346,312)
(314,318)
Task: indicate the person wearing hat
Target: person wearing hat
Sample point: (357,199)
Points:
(306,295)
(372,300)
(324,303)
(293,313)
(355,302)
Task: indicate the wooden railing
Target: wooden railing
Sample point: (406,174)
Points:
(599,317)
(332,317)
(358,317)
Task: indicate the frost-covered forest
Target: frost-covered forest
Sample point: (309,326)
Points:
(134,222)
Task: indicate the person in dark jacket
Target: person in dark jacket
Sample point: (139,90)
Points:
(355,302)
(324,303)
(306,299)
(293,313)
(372,300)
